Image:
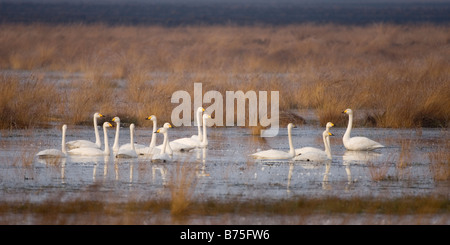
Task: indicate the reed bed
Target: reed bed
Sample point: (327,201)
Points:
(396,74)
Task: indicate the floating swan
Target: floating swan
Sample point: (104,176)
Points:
(55,152)
(128,152)
(149,150)
(86,143)
(357,143)
(277,154)
(191,142)
(163,156)
(174,146)
(85,151)
(316,154)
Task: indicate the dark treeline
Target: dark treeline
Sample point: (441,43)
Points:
(246,13)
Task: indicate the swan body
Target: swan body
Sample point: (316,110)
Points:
(316,154)
(163,156)
(86,151)
(277,154)
(192,142)
(86,143)
(357,143)
(49,153)
(128,152)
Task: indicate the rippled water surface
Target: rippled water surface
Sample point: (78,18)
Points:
(224,170)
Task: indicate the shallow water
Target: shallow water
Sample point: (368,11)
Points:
(224,170)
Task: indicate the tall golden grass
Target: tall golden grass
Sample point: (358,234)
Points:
(397,74)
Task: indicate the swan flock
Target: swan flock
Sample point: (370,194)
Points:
(165,151)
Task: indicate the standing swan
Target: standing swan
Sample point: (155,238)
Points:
(316,154)
(163,156)
(277,154)
(357,143)
(86,143)
(55,152)
(128,152)
(85,151)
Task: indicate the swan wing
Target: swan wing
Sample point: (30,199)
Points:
(81,144)
(271,154)
(361,144)
(85,151)
(50,153)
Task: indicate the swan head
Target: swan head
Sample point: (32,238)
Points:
(132,126)
(206,116)
(167,125)
(329,125)
(291,125)
(98,115)
(200,109)
(152,118)
(161,130)
(348,111)
(107,125)
(116,119)
(64,127)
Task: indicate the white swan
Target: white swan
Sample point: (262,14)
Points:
(199,137)
(316,154)
(128,152)
(86,143)
(277,154)
(163,156)
(149,150)
(357,143)
(174,146)
(192,142)
(85,151)
(55,152)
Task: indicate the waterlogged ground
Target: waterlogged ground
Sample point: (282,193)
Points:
(224,170)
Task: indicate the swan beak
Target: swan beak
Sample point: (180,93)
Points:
(330,134)
(170,125)
(113,119)
(157,131)
(101,115)
(332,124)
(148,118)
(110,125)
(344,111)
(203,109)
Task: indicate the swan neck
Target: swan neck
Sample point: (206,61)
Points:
(116,139)
(63,141)
(165,141)
(291,145)
(326,142)
(105,136)
(349,126)
(132,138)
(98,142)
(153,140)
(199,120)
(205,139)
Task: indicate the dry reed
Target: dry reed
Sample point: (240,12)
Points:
(397,73)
